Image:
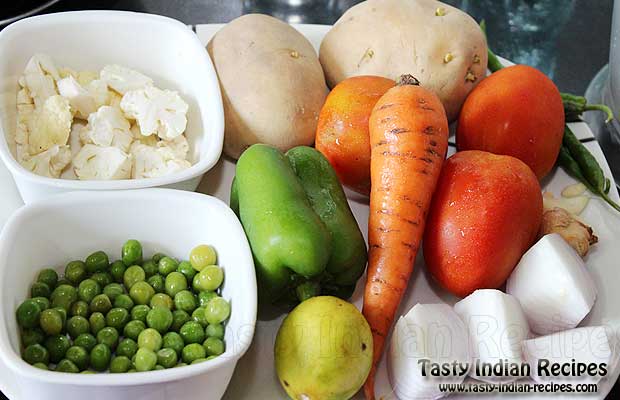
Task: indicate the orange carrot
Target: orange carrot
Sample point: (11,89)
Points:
(409,139)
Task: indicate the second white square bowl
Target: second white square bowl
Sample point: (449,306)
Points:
(160,47)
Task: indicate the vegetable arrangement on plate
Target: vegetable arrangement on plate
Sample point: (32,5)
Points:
(132,315)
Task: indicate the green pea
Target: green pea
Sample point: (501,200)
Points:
(217,310)
(51,322)
(117,270)
(77,326)
(40,289)
(159,318)
(204,297)
(133,275)
(113,290)
(146,360)
(120,364)
(201,256)
(63,314)
(97,262)
(199,316)
(133,329)
(28,314)
(63,296)
(75,272)
(215,330)
(32,336)
(150,268)
(181,364)
(199,360)
(192,332)
(150,339)
(157,282)
(79,309)
(139,312)
(67,366)
(78,356)
(101,303)
(162,300)
(167,265)
(141,292)
(57,346)
(117,318)
(123,301)
(42,366)
(100,357)
(88,289)
(158,368)
(49,277)
(132,370)
(213,346)
(175,282)
(185,301)
(209,278)
(86,341)
(174,341)
(35,353)
(97,322)
(167,358)
(185,267)
(43,302)
(131,252)
(179,318)
(193,352)
(127,347)
(157,257)
(108,336)
(102,278)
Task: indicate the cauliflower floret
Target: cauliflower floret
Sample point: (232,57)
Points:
(50,125)
(39,77)
(49,163)
(102,163)
(123,79)
(151,162)
(114,100)
(81,101)
(86,77)
(156,111)
(108,127)
(151,140)
(98,89)
(178,145)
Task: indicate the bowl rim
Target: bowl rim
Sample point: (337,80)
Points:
(21,368)
(207,160)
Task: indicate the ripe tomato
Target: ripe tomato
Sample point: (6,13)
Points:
(517,111)
(342,131)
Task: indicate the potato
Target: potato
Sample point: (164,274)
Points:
(272,83)
(485,215)
(440,45)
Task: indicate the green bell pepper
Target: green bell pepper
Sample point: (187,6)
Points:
(303,236)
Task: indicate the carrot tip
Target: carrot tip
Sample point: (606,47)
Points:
(407,79)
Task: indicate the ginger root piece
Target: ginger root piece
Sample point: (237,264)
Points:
(577,234)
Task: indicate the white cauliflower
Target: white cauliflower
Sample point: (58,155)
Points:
(82,102)
(156,111)
(49,163)
(50,125)
(40,77)
(178,146)
(151,162)
(123,79)
(108,127)
(151,140)
(102,163)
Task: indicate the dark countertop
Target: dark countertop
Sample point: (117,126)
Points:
(581,46)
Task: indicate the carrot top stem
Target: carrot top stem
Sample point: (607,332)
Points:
(407,79)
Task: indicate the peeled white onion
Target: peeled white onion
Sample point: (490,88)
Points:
(567,349)
(553,286)
(497,327)
(427,331)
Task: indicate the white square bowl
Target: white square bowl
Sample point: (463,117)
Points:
(72,225)
(160,47)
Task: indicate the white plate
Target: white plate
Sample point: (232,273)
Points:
(255,376)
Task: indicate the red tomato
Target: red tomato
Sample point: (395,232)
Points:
(484,216)
(517,111)
(342,132)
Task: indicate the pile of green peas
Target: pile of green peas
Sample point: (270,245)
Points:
(131,315)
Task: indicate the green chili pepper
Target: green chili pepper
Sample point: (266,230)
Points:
(588,164)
